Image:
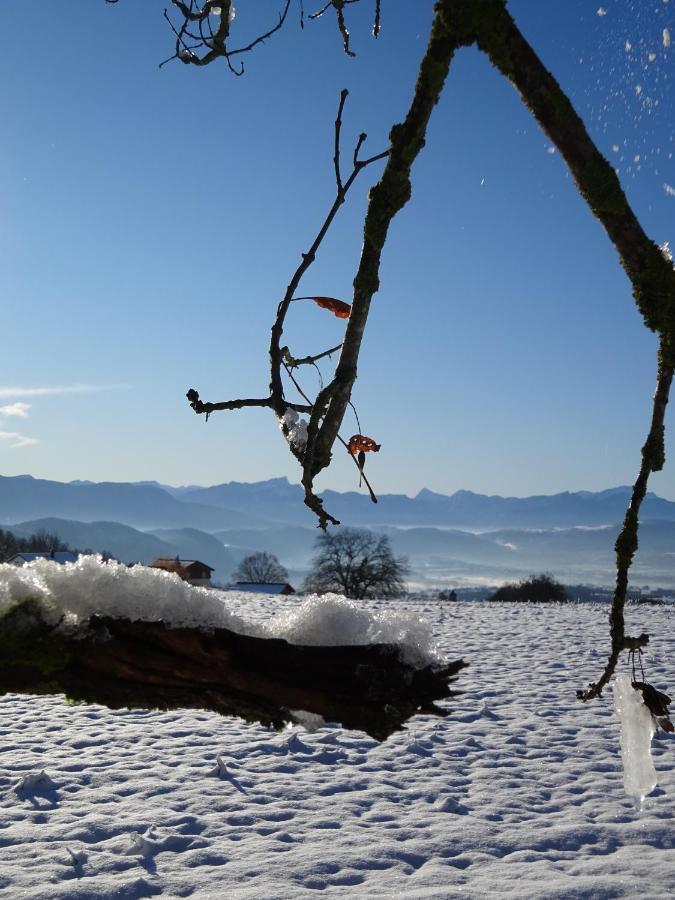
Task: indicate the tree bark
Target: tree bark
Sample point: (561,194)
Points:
(120,663)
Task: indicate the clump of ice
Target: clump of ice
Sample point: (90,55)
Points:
(637,730)
(294,429)
(331,620)
(75,591)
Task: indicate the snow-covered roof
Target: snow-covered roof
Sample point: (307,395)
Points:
(164,562)
(59,556)
(273,587)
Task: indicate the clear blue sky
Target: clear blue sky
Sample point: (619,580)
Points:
(151,219)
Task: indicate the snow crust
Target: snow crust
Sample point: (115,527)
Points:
(76,591)
(331,620)
(516,795)
(637,730)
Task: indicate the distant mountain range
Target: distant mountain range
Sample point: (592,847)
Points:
(462,538)
(261,504)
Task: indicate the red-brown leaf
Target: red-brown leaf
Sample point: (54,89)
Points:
(341,309)
(361,443)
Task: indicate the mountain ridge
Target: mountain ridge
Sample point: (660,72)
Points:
(150,506)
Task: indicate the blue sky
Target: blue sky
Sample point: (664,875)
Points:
(151,219)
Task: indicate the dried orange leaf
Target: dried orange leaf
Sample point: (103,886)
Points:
(341,309)
(360,443)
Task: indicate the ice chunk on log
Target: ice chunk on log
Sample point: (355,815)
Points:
(637,729)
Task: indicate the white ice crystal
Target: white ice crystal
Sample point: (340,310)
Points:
(295,429)
(666,251)
(666,38)
(637,729)
(217,10)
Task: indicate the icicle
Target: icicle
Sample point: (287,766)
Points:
(637,729)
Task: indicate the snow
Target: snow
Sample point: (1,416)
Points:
(637,730)
(517,794)
(332,620)
(76,591)
(294,428)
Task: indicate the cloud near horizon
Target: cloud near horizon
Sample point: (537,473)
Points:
(15,409)
(18,439)
(54,390)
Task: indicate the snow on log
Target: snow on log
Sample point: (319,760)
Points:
(114,649)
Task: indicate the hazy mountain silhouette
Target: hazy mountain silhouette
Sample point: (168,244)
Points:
(138,505)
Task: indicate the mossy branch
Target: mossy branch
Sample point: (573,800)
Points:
(386,199)
(651,275)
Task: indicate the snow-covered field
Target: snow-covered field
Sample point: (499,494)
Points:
(518,793)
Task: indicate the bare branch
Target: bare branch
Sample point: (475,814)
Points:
(386,199)
(651,275)
(276,387)
(200,406)
(215,43)
(293,363)
(338,128)
(376,23)
(342,25)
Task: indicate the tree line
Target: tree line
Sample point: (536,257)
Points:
(40,542)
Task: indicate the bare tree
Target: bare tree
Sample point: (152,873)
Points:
(261,568)
(357,563)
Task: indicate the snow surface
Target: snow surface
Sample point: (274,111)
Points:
(517,794)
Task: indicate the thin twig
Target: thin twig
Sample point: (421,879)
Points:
(276,387)
(294,362)
(338,128)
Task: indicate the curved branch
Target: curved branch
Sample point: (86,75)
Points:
(653,458)
(651,275)
(276,386)
(388,196)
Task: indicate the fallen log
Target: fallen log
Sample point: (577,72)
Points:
(119,663)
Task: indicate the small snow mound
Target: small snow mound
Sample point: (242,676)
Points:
(310,721)
(637,729)
(142,844)
(220,769)
(331,620)
(90,587)
(450,805)
(76,859)
(35,782)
